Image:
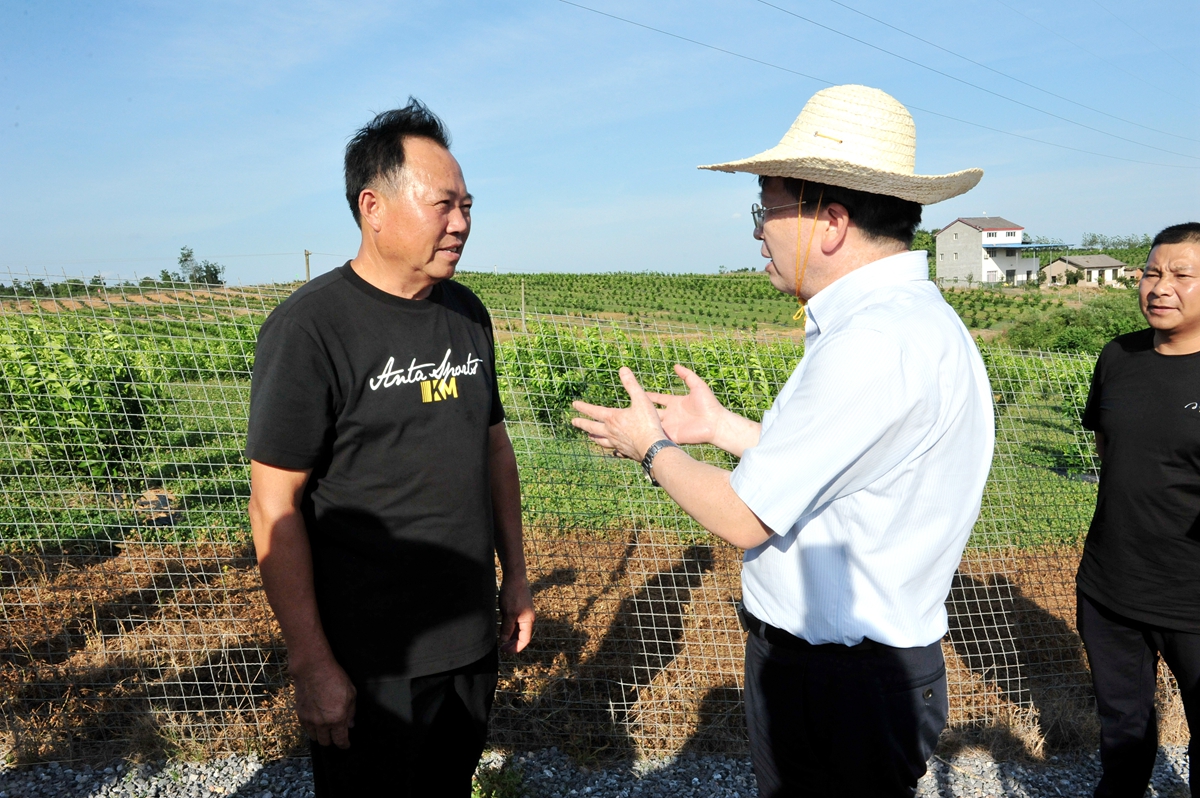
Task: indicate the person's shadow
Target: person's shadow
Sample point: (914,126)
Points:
(646,635)
(592,709)
(1034,660)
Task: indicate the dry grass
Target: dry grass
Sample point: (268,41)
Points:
(155,649)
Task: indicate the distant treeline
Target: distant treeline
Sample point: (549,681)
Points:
(190,272)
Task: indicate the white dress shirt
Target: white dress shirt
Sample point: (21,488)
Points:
(871,464)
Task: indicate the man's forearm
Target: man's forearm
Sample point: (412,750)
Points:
(285,562)
(735,434)
(703,492)
(506,507)
(516,599)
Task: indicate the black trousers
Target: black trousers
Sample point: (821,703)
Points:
(412,737)
(1123,655)
(837,720)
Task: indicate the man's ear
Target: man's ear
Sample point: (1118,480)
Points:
(838,225)
(370,207)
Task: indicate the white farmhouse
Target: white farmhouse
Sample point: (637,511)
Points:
(983,249)
(1093,269)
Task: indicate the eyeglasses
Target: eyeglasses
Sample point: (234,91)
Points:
(759,213)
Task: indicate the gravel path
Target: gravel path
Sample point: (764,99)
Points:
(550,774)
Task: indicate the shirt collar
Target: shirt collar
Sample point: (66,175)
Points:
(837,301)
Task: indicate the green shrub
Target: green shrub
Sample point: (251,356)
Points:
(191,351)
(1051,392)
(1086,329)
(80,400)
(555,366)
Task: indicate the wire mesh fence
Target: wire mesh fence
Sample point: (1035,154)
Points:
(132,619)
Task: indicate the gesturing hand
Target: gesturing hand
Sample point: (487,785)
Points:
(693,417)
(325,702)
(628,431)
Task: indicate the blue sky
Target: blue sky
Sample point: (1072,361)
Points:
(130,129)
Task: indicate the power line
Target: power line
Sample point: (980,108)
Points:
(1139,33)
(1089,52)
(693,41)
(913,107)
(1011,77)
(975,86)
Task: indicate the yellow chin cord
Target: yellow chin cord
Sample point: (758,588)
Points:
(801,269)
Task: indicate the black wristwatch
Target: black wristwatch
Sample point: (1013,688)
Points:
(648,460)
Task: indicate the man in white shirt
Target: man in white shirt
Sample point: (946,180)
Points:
(855,496)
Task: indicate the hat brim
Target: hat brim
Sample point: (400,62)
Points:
(923,189)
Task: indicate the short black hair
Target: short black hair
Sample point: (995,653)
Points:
(1186,233)
(880,217)
(377,150)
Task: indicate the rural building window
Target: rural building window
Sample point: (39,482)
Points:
(1011,234)
(1028,276)
(941,256)
(956,236)
(956,254)
(991,235)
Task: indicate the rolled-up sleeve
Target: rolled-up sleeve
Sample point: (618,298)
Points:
(857,412)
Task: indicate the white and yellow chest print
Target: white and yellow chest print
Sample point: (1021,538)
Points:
(438,381)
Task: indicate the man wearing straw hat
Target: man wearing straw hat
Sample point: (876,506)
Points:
(856,494)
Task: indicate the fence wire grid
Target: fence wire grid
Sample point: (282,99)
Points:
(132,619)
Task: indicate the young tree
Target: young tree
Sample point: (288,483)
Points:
(205,272)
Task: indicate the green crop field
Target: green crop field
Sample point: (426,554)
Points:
(740,300)
(748,301)
(988,308)
(123,410)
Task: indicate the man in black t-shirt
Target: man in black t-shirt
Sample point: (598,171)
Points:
(383,482)
(1139,580)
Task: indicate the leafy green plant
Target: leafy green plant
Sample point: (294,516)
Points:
(1084,329)
(557,365)
(1056,384)
(80,401)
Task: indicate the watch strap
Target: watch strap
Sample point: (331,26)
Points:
(648,460)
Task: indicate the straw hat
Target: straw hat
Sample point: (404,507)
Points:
(855,137)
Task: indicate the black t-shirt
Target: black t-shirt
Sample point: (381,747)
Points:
(1142,553)
(388,401)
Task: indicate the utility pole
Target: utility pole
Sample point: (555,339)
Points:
(523,328)
(306,272)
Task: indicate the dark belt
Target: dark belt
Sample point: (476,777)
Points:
(784,639)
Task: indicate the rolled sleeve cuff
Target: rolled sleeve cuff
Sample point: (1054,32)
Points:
(747,488)
(280,458)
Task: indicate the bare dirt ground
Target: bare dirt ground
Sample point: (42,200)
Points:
(152,649)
